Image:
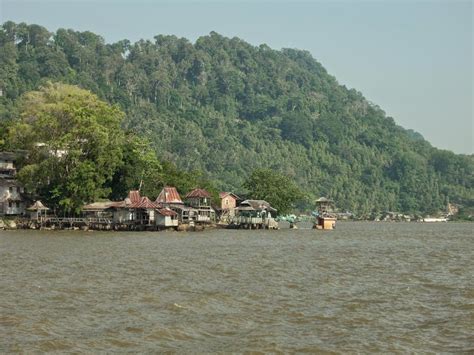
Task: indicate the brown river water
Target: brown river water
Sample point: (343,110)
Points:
(364,287)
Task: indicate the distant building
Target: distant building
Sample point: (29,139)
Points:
(228,203)
(12,199)
(166,217)
(7,165)
(200,200)
(169,197)
(255,214)
(135,209)
(97,209)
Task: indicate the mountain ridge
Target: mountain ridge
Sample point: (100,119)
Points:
(225,107)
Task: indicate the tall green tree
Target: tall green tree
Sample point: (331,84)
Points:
(141,169)
(73,142)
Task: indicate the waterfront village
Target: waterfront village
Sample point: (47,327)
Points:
(167,211)
(135,212)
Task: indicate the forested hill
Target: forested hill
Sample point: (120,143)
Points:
(226,107)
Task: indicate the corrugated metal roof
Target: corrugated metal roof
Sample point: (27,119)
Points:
(169,194)
(134,196)
(198,193)
(144,203)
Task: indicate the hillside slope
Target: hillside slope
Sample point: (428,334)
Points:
(226,107)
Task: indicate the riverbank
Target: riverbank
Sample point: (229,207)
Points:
(83,224)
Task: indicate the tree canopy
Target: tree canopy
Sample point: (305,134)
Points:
(278,190)
(73,142)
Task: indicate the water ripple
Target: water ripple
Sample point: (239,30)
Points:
(366,287)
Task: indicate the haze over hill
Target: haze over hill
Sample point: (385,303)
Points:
(226,107)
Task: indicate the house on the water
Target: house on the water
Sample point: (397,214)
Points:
(12,199)
(98,209)
(166,218)
(169,197)
(135,209)
(255,214)
(134,212)
(228,203)
(200,200)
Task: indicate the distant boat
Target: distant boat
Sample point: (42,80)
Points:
(433,219)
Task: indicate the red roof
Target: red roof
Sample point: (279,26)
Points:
(145,203)
(200,193)
(167,212)
(134,200)
(134,196)
(168,195)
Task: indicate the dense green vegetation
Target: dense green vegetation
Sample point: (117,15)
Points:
(226,108)
(278,190)
(76,152)
(73,141)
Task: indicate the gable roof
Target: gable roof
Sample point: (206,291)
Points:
(134,196)
(38,206)
(169,194)
(225,194)
(145,202)
(198,193)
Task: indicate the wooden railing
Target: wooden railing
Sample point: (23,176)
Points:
(74,220)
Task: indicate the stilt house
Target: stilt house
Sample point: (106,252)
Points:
(200,200)
(169,197)
(256,213)
(228,203)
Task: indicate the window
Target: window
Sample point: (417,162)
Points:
(10,204)
(18,204)
(18,189)
(10,188)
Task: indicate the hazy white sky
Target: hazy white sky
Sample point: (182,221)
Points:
(412,58)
